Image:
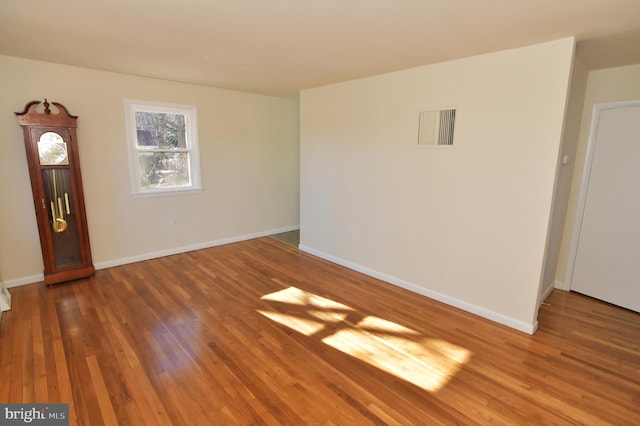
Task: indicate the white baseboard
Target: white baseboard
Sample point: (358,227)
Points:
(184,249)
(31,279)
(154,255)
(461,304)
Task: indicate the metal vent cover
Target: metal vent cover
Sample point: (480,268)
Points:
(436,127)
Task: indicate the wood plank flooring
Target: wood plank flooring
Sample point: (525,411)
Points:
(257,333)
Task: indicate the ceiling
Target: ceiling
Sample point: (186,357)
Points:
(278,47)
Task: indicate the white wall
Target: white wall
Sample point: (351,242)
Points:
(606,85)
(249,155)
(466,225)
(565,175)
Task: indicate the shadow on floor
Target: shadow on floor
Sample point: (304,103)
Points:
(291,238)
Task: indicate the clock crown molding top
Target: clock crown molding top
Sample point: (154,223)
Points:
(34,116)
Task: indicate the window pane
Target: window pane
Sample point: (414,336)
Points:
(163,169)
(157,130)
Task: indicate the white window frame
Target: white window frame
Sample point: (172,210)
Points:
(191,135)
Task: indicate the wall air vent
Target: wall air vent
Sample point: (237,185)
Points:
(436,127)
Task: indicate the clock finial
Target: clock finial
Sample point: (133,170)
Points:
(46,107)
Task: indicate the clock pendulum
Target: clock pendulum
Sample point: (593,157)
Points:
(59,224)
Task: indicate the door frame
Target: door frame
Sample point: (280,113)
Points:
(584,184)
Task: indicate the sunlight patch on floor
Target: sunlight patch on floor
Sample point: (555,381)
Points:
(398,350)
(301,325)
(295,296)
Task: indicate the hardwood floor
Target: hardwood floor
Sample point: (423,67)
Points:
(257,333)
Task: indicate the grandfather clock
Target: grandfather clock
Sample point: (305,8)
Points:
(56,183)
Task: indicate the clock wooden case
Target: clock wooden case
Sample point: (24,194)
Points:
(56,183)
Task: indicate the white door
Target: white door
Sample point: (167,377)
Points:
(607,259)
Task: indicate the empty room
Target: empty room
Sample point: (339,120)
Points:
(320,212)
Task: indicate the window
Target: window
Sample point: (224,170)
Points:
(163,147)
